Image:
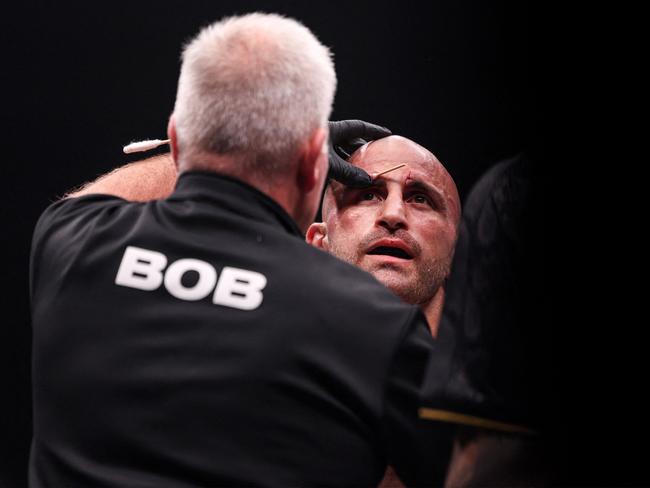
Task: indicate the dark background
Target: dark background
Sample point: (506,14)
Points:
(81,79)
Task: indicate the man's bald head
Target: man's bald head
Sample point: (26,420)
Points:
(402,228)
(392,151)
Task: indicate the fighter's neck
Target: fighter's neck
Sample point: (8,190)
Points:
(433,310)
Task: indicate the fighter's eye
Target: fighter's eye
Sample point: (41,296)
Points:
(368,195)
(420,198)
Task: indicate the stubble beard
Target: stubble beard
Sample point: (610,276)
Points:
(416,286)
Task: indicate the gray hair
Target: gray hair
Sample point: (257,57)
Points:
(255,87)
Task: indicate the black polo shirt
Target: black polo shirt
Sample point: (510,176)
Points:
(199,341)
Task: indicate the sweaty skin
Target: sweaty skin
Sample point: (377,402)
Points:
(402,229)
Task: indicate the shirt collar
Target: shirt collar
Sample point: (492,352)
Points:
(231,193)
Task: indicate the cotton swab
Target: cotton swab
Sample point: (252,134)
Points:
(142,146)
(390,169)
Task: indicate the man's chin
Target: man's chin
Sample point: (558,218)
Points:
(394,279)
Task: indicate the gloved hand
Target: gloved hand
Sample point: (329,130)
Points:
(345,137)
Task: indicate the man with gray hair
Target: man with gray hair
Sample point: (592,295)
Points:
(184,334)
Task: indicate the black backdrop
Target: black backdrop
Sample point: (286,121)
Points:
(81,79)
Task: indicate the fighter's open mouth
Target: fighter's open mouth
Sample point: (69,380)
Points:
(391,251)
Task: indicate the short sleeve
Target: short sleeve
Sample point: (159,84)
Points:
(60,231)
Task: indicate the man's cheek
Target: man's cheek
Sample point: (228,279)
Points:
(441,234)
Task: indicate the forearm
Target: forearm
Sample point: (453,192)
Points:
(150,179)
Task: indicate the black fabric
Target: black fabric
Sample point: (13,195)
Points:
(317,386)
(493,356)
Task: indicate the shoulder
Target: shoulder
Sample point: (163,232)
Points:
(340,288)
(336,276)
(78,211)
(66,221)
(79,205)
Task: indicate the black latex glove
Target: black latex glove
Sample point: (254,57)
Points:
(345,137)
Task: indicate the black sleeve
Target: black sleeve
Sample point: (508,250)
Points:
(402,429)
(64,224)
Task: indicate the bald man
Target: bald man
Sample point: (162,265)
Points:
(402,229)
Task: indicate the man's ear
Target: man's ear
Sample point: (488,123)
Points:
(310,160)
(317,235)
(173,141)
